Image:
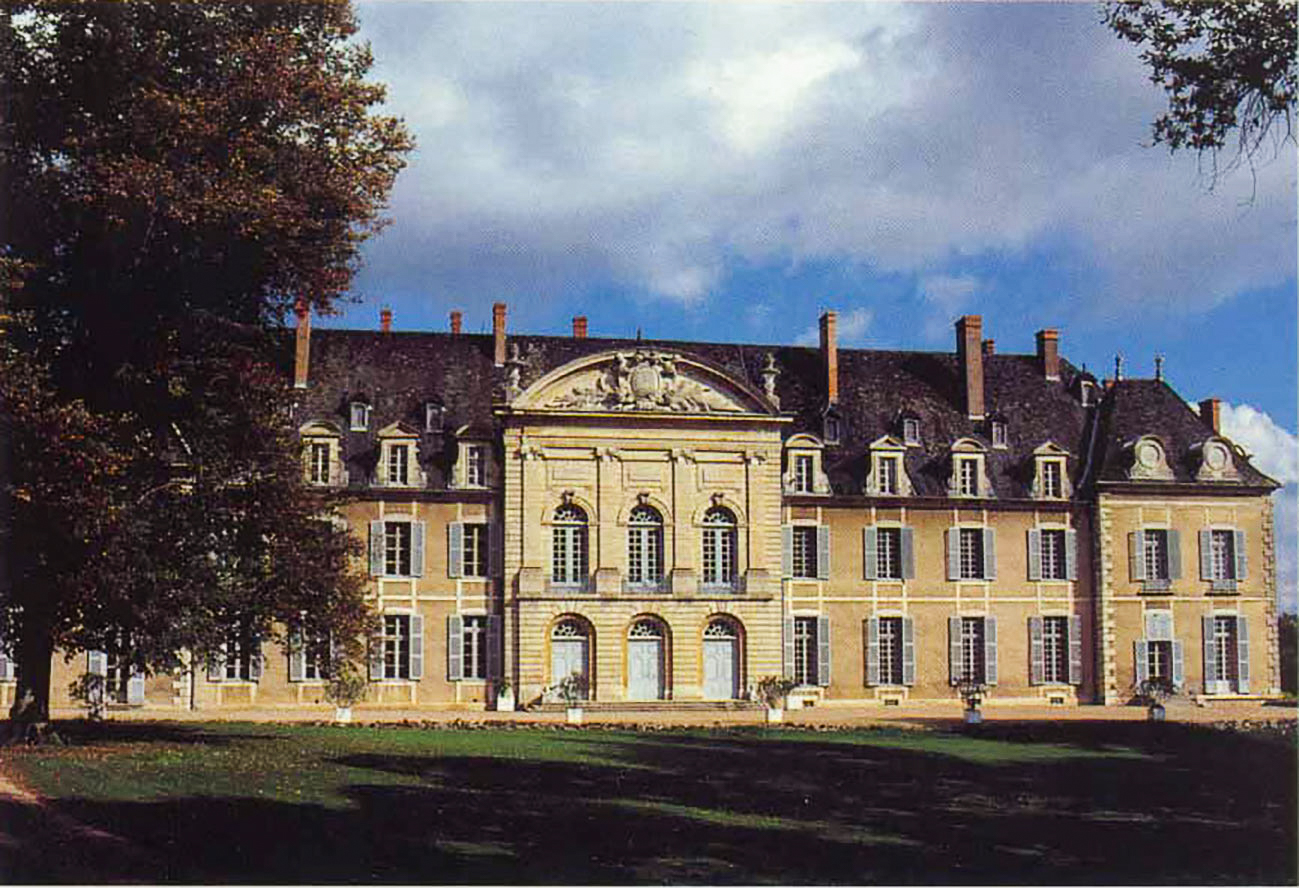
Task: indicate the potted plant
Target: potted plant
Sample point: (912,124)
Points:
(972,693)
(773,691)
(89,689)
(572,690)
(504,695)
(1151,693)
(346,688)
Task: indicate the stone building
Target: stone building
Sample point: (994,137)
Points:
(673,521)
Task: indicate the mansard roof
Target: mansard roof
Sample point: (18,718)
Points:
(399,372)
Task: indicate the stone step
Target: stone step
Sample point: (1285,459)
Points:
(650,706)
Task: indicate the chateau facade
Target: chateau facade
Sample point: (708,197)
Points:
(674,521)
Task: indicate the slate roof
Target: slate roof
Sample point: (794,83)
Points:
(398,372)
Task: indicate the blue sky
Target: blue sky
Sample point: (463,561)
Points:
(725,171)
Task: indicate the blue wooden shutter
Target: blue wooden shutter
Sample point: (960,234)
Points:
(1210,662)
(787,551)
(871,646)
(1035,555)
(954,553)
(297,655)
(908,554)
(823,552)
(1242,562)
(1136,558)
(255,659)
(990,649)
(455,647)
(1174,555)
(989,554)
(1179,665)
(869,553)
(1140,660)
(788,662)
(1242,656)
(954,649)
(1036,651)
(416,646)
(908,651)
(216,666)
(418,530)
(135,688)
(376,548)
(455,549)
(376,656)
(1206,554)
(823,650)
(1071,554)
(6,667)
(495,642)
(97,663)
(1075,650)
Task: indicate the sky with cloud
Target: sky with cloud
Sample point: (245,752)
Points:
(726,171)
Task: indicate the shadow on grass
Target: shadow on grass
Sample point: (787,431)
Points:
(1115,804)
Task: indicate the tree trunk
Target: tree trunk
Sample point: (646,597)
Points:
(30,714)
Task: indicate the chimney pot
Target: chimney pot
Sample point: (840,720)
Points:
(969,330)
(1048,352)
(830,355)
(385,320)
(456,318)
(302,344)
(498,333)
(579,327)
(1211,414)
(989,347)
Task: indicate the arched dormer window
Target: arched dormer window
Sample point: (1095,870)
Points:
(644,546)
(969,477)
(1215,460)
(803,467)
(568,546)
(1051,472)
(719,547)
(1149,460)
(888,473)
(358,416)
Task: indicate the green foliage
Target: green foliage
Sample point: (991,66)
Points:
(773,689)
(971,692)
(89,688)
(1288,640)
(1153,691)
(347,684)
(572,688)
(1227,67)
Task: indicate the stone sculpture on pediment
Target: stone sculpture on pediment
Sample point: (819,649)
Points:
(644,380)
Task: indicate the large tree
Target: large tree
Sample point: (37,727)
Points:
(1228,67)
(176,176)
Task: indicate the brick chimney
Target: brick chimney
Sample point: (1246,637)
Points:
(385,320)
(1211,414)
(302,344)
(830,355)
(989,348)
(498,333)
(969,330)
(1048,352)
(579,327)
(456,318)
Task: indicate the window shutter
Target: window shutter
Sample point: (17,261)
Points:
(297,655)
(495,639)
(823,650)
(1136,563)
(1242,562)
(908,651)
(788,663)
(417,534)
(908,554)
(1036,651)
(1242,656)
(135,688)
(1210,661)
(455,549)
(787,554)
(823,552)
(1075,650)
(216,666)
(953,553)
(1141,660)
(376,548)
(455,647)
(376,658)
(1206,554)
(255,660)
(1174,555)
(1179,665)
(97,663)
(5,667)
(1035,555)
(989,554)
(416,646)
(869,553)
(990,649)
(954,649)
(871,645)
(1071,554)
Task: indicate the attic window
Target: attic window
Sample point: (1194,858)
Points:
(1086,393)
(911,431)
(998,433)
(831,429)
(432,416)
(360,414)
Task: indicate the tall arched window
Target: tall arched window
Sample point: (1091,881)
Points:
(719,547)
(644,546)
(568,560)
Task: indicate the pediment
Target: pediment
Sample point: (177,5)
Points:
(319,428)
(1050,448)
(888,442)
(642,380)
(398,429)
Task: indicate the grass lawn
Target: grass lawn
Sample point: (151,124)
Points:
(1073,802)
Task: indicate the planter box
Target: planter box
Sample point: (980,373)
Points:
(973,717)
(342,715)
(575,715)
(505,702)
(775,716)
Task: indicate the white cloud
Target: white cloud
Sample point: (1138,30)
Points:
(850,329)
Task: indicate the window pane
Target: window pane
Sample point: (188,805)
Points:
(971,554)
(805,552)
(972,649)
(890,650)
(805,667)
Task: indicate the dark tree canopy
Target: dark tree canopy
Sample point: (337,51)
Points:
(1228,67)
(176,176)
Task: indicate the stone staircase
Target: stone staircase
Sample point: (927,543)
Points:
(653,706)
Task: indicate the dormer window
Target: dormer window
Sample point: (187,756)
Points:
(1086,392)
(1052,480)
(433,412)
(803,468)
(398,464)
(360,416)
(911,431)
(998,433)
(1149,460)
(831,426)
(1216,463)
(321,461)
(1050,474)
(888,479)
(318,462)
(803,473)
(888,474)
(475,465)
(969,477)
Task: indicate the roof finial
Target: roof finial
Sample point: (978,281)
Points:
(1118,366)
(1159,367)
(638,336)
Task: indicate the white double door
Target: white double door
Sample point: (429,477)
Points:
(645,669)
(720,672)
(568,656)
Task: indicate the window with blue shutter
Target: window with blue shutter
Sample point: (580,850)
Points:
(1136,558)
(135,688)
(1075,650)
(954,671)
(416,647)
(787,551)
(1206,555)
(1034,555)
(989,554)
(377,541)
(1210,655)
(1037,651)
(1140,661)
(1071,554)
(1174,555)
(297,655)
(455,549)
(823,650)
(871,648)
(377,646)
(990,650)
(908,554)
(869,553)
(418,532)
(1242,563)
(455,647)
(1242,656)
(954,553)
(908,651)
(823,552)
(788,658)
(495,644)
